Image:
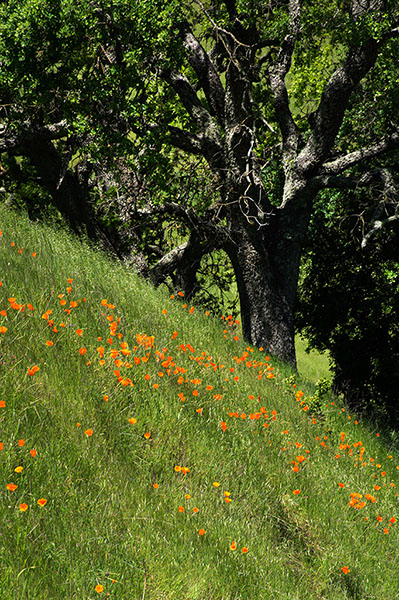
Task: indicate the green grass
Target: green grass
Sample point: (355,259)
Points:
(104,522)
(312,365)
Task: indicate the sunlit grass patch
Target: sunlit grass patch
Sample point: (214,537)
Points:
(148,452)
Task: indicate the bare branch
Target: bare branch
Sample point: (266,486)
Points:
(377,226)
(330,113)
(205,70)
(363,154)
(277,73)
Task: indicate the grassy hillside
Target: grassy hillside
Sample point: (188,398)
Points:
(147,453)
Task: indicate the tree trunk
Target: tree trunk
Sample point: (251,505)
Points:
(266,261)
(266,313)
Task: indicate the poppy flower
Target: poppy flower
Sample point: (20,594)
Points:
(244,550)
(147,436)
(42,501)
(155,486)
(296,492)
(195,509)
(89,432)
(21,443)
(233,546)
(181,509)
(201,532)
(215,484)
(3,329)
(33,452)
(18,469)
(345,570)
(11,486)
(82,351)
(132,421)
(2,403)
(79,331)
(23,507)
(33,370)
(99,589)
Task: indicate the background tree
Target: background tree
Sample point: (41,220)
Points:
(98,80)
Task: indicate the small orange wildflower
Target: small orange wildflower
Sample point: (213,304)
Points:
(33,452)
(244,550)
(345,570)
(132,421)
(296,492)
(33,370)
(21,443)
(23,507)
(42,501)
(11,486)
(181,509)
(99,589)
(82,351)
(233,546)
(147,436)
(89,432)
(155,486)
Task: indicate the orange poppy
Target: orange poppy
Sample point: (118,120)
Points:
(23,507)
(132,421)
(42,501)
(21,443)
(201,532)
(345,570)
(11,486)
(147,436)
(155,486)
(296,492)
(89,432)
(82,351)
(181,509)
(33,370)
(233,546)
(245,550)
(33,452)
(99,589)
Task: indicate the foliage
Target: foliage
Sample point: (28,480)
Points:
(348,304)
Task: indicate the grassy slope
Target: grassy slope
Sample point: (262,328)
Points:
(104,523)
